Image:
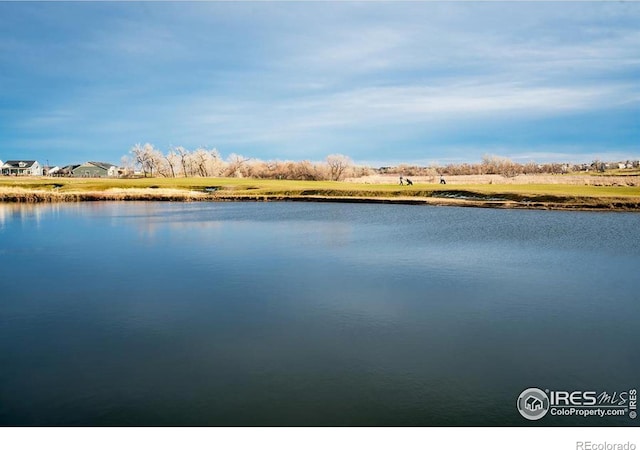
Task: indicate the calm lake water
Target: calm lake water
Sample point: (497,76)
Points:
(310,314)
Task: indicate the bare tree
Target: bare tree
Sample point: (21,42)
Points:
(157,162)
(172,159)
(200,160)
(141,156)
(183,156)
(338,164)
(215,164)
(127,164)
(235,165)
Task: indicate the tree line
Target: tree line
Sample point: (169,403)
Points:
(203,162)
(498,165)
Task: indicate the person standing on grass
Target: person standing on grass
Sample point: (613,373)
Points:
(401,183)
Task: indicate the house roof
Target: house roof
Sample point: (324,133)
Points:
(16,163)
(102,165)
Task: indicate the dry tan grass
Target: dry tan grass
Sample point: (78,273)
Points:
(20,195)
(575,180)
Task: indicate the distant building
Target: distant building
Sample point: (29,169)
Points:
(94,169)
(50,171)
(66,171)
(22,168)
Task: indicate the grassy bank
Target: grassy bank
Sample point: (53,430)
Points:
(547,196)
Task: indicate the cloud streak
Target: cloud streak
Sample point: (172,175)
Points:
(303,80)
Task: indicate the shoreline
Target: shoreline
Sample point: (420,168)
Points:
(458,198)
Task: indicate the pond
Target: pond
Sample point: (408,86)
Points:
(311,314)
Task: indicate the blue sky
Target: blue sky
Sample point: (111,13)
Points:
(385,83)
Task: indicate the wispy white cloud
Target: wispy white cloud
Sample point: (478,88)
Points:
(303,78)
(401,105)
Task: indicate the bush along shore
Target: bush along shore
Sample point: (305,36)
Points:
(529,196)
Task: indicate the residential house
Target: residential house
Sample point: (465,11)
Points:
(27,168)
(66,171)
(50,171)
(94,169)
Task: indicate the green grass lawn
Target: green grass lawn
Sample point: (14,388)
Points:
(258,187)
